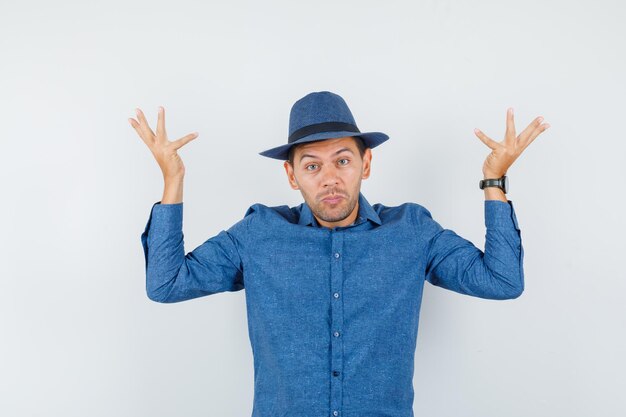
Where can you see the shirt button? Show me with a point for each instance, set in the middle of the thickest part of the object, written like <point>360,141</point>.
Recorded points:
<point>336,254</point>
<point>336,295</point>
<point>336,334</point>
<point>335,373</point>
<point>335,413</point>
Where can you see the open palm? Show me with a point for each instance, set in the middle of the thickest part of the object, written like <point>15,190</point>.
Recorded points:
<point>164,150</point>
<point>504,153</point>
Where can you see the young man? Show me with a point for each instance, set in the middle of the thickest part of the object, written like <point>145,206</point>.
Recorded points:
<point>333,285</point>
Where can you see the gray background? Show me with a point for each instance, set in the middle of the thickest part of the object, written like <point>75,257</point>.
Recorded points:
<point>79,337</point>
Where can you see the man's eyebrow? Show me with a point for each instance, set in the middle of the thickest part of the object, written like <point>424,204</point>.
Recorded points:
<point>336,153</point>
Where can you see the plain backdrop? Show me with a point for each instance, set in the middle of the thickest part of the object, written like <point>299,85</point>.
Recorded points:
<point>78,335</point>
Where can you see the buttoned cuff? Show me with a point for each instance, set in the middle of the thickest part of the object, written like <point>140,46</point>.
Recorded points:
<point>166,217</point>
<point>500,214</point>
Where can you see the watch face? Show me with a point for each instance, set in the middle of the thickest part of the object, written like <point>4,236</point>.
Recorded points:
<point>506,184</point>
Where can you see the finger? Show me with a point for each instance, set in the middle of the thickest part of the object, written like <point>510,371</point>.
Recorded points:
<point>523,137</point>
<point>135,125</point>
<point>509,135</point>
<point>143,123</point>
<point>485,139</point>
<point>184,140</point>
<point>534,134</point>
<point>160,131</point>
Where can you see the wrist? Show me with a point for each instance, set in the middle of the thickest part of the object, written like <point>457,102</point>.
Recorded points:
<point>494,186</point>
<point>492,176</point>
<point>173,179</point>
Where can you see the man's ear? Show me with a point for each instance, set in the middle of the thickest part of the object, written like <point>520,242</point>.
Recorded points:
<point>367,161</point>
<point>290,175</point>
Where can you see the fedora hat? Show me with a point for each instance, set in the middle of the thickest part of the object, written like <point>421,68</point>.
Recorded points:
<point>321,115</point>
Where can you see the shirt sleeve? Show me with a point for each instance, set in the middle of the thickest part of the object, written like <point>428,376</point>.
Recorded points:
<point>171,275</point>
<point>456,264</point>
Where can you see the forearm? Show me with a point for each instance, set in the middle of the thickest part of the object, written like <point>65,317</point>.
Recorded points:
<point>163,246</point>
<point>503,261</point>
<point>173,190</point>
<point>495,193</point>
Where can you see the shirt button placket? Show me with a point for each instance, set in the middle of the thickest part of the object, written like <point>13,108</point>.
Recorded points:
<point>336,360</point>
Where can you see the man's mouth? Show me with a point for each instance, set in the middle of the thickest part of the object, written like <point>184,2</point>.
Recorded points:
<point>333,199</point>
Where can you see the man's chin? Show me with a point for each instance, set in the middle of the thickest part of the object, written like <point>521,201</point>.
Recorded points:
<point>333,215</point>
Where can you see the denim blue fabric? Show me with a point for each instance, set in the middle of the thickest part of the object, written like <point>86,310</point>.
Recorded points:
<point>333,313</point>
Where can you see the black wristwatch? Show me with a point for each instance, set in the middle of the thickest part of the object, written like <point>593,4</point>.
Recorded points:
<point>501,183</point>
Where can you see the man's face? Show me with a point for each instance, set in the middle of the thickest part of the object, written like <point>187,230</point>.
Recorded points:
<point>331,167</point>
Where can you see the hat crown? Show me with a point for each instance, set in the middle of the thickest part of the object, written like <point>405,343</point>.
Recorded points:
<point>321,115</point>
<point>319,107</point>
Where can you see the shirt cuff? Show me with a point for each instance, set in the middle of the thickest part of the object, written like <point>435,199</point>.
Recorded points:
<point>500,214</point>
<point>166,217</point>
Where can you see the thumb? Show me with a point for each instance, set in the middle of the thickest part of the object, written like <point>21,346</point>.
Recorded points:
<point>179,143</point>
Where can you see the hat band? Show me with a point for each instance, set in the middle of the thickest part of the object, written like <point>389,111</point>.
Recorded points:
<point>322,127</point>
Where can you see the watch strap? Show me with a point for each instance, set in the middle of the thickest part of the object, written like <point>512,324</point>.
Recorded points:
<point>493,182</point>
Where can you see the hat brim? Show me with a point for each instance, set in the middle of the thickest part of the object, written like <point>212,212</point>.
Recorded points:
<point>371,140</point>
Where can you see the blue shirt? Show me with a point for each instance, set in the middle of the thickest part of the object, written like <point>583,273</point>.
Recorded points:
<point>333,313</point>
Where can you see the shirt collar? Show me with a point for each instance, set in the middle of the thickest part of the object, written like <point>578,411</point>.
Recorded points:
<point>366,211</point>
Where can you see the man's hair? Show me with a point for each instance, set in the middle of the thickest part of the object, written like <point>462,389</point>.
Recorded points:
<point>359,144</point>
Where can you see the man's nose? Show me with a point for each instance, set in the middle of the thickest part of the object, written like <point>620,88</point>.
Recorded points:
<point>330,175</point>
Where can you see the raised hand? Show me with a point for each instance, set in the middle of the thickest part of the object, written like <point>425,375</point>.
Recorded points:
<point>164,151</point>
<point>504,153</point>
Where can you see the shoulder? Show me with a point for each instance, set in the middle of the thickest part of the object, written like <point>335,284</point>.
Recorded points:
<point>259,213</point>
<point>411,211</point>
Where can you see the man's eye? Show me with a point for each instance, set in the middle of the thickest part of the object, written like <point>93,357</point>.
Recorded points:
<point>309,166</point>
<point>344,159</point>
